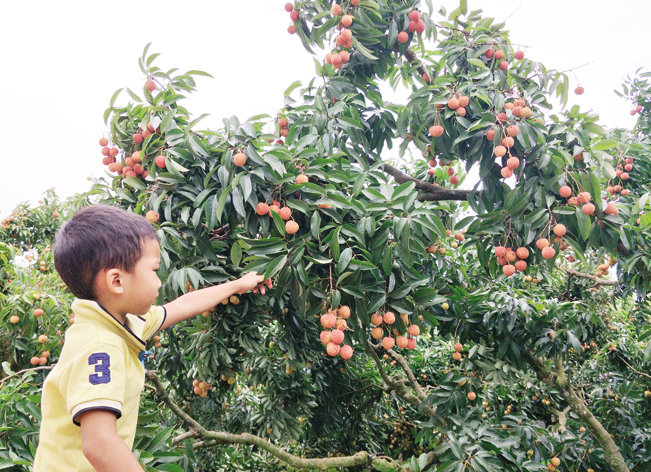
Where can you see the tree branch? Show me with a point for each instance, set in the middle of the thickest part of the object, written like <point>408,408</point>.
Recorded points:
<point>398,386</point>
<point>211,438</point>
<point>434,193</point>
<point>559,380</point>
<point>47,367</point>
<point>595,279</point>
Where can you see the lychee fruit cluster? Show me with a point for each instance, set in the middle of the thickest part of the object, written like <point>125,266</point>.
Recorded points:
<point>293,15</point>
<point>384,323</point>
<point>201,388</point>
<point>498,55</point>
<point>283,125</point>
<point>506,256</point>
<point>285,213</point>
<point>334,322</point>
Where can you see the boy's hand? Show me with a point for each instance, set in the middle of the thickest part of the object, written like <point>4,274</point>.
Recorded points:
<point>253,281</point>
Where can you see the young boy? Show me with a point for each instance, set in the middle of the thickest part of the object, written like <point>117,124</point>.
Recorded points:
<point>108,258</point>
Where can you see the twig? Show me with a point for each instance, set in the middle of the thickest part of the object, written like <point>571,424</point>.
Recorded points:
<point>596,280</point>
<point>632,368</point>
<point>46,367</point>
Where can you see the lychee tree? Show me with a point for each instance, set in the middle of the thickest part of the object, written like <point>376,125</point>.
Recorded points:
<point>317,199</point>
<point>392,286</point>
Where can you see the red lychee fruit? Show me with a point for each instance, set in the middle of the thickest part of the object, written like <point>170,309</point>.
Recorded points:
<point>588,209</point>
<point>346,352</point>
<point>377,319</point>
<point>389,317</point>
<point>548,252</point>
<point>150,85</point>
<point>262,209</point>
<point>152,216</point>
<point>542,243</point>
<point>328,320</point>
<point>508,270</point>
<point>522,252</point>
<point>160,161</point>
<point>138,138</point>
<point>499,151</point>
<point>560,230</point>
<point>332,349</point>
<point>565,191</point>
<point>377,333</point>
<point>453,104</point>
<point>436,130</point>
<point>403,37</point>
<point>302,178</point>
<point>285,213</point>
<point>519,55</point>
<point>337,336</point>
<point>512,162</point>
<point>388,342</point>
<point>239,159</point>
<point>326,336</point>
<point>291,227</point>
<point>344,312</point>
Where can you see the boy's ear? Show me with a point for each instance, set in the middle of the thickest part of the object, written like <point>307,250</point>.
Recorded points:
<point>112,281</point>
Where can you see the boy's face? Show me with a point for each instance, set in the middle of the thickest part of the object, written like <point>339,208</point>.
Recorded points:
<point>141,286</point>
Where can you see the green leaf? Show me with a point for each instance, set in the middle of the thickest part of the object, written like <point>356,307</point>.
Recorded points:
<point>584,225</point>
<point>279,222</point>
<point>236,254</point>
<point>275,266</point>
<point>362,50</point>
<point>167,123</point>
<point>160,439</point>
<point>135,182</point>
<point>199,72</point>
<point>134,96</point>
<point>344,259</point>
<point>604,144</point>
<point>291,88</point>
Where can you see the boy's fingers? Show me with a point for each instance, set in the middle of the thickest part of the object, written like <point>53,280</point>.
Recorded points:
<point>268,282</point>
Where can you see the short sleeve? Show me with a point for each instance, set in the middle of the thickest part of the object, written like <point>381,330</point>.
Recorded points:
<point>154,319</point>
<point>96,381</point>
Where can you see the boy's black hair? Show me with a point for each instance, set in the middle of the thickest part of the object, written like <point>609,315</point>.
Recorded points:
<point>99,237</point>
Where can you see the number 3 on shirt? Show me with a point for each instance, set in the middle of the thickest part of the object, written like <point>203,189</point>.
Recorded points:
<point>103,375</point>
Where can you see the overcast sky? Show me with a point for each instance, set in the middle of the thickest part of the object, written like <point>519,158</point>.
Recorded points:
<point>61,62</point>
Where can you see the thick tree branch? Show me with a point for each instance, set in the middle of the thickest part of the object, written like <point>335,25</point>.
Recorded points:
<point>562,418</point>
<point>211,438</point>
<point>595,279</point>
<point>410,374</point>
<point>411,57</point>
<point>434,193</point>
<point>559,380</point>
<point>396,385</point>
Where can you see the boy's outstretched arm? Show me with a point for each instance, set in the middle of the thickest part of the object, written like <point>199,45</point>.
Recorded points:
<point>193,303</point>
<point>102,446</point>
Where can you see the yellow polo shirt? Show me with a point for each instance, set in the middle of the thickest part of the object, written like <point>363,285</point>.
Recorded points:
<point>98,369</point>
